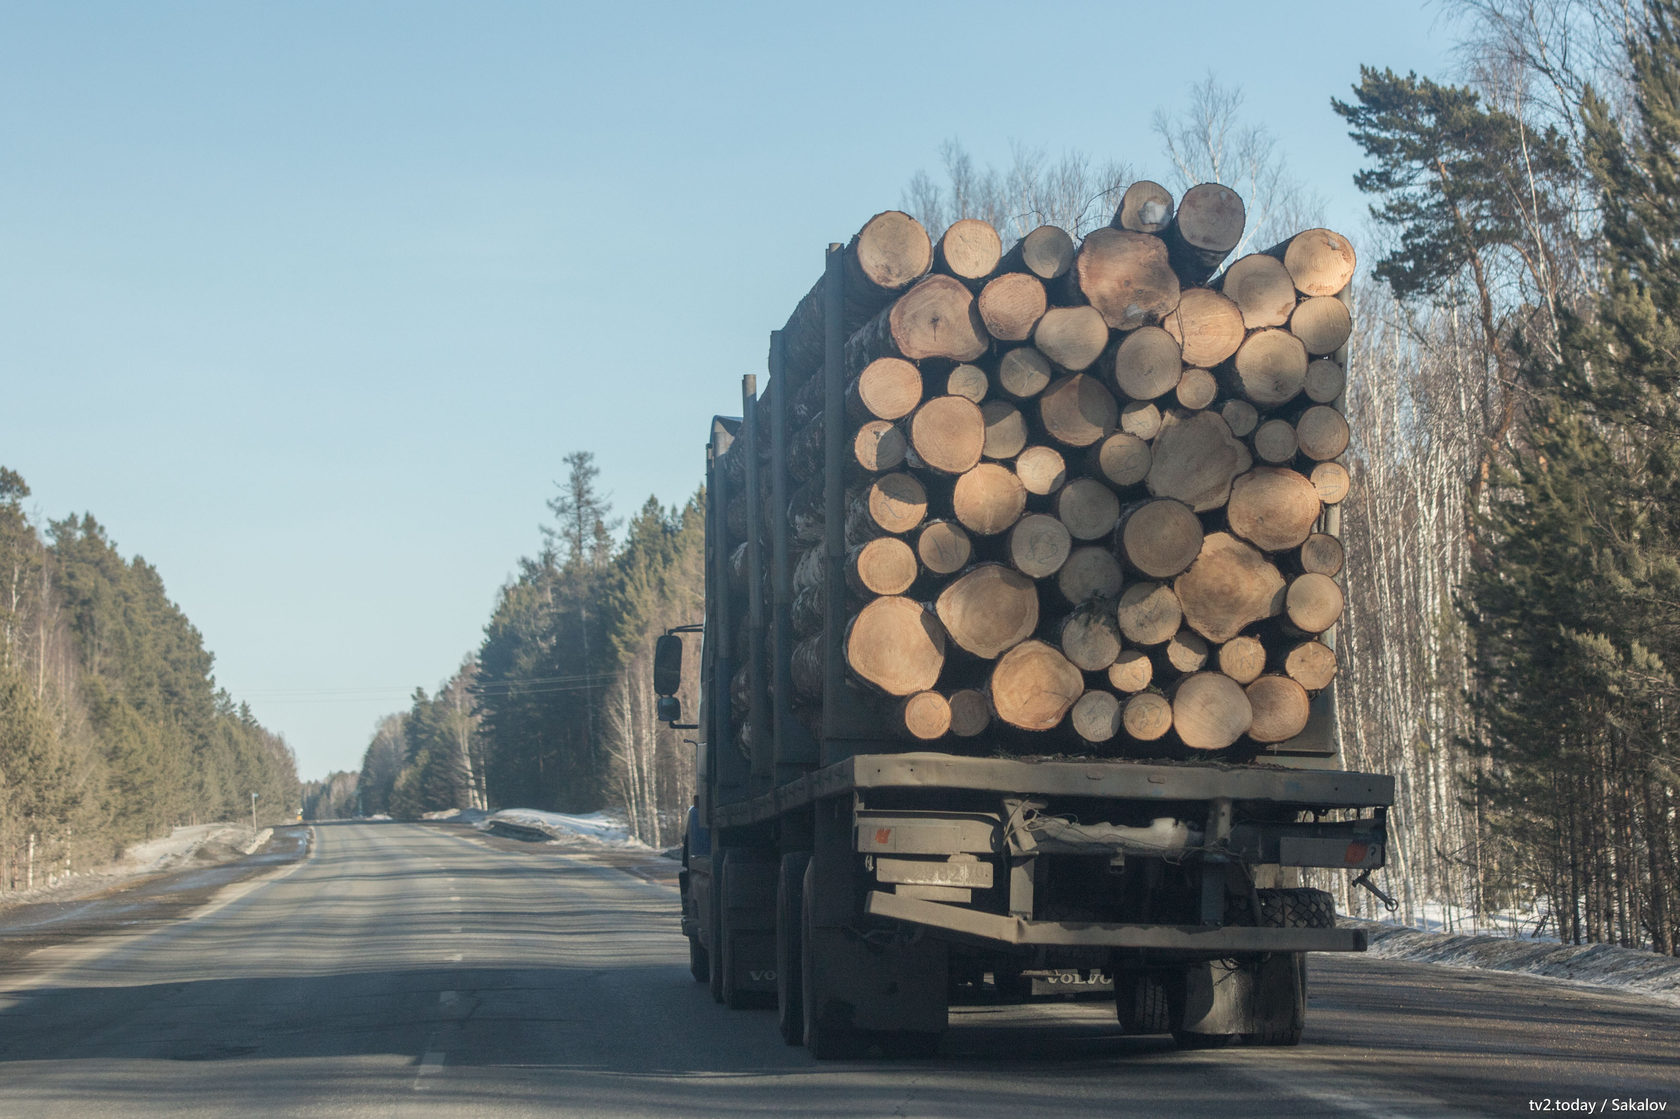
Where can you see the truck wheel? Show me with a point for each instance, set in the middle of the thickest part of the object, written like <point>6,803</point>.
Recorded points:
<point>699,963</point>
<point>790,970</point>
<point>829,1032</point>
<point>714,927</point>
<point>746,950</point>
<point>1281,978</point>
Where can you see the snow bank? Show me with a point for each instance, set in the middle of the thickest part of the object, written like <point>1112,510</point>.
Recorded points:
<point>601,829</point>
<point>1603,965</point>
<point>473,816</point>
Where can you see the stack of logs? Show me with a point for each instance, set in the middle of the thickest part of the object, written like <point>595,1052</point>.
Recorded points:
<point>1085,482</point>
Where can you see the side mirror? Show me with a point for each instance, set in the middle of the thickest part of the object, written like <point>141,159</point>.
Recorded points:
<point>668,708</point>
<point>667,666</point>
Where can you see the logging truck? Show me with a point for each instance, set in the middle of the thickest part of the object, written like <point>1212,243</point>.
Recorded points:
<point>1017,668</point>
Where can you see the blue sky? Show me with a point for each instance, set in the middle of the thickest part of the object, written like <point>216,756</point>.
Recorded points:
<point>306,301</point>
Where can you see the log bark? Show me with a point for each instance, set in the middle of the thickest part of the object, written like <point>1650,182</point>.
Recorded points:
<point>1311,664</point>
<point>1325,381</point>
<point>1148,614</point>
<point>988,499</point>
<point>1194,459</point>
<point>1331,481</point>
<point>1089,572</point>
<point>893,503</point>
<point>1240,416</point>
<point>1319,261</point>
<point>1161,537</point>
<point>1210,711</point>
<point>879,446</point>
<point>943,547</point>
<point>1071,337</point>
<point>1011,305</point>
<point>1023,372</point>
<point>1089,509</point>
<point>888,388</point>
<point>1322,433</point>
<point>1076,410</point>
<point>1147,716</point>
<point>1280,709</point>
<point>807,669</point>
<point>1033,685</point>
<point>967,381</point>
<point>937,318</point>
<point>1046,252</point>
<point>1207,326</point>
<point>924,716</point>
<point>884,566</point>
<point>1322,323</point>
<point>1270,368</point>
<point>1208,225</point>
<point>1274,441</point>
<point>1197,389</point>
<point>988,609</point>
<point>1039,545</point>
<point>1042,470</point>
<point>1148,363</point>
<point>1261,288</point>
<point>895,644</point>
<point>1122,458</point>
<point>1229,587</point>
<point>1096,716</point>
<point>1127,277</point>
<point>1146,207</point>
<point>1187,651</point>
<point>948,434</point>
<point>1090,637</point>
<point>970,713</point>
<point>1141,419</point>
<point>1131,671</point>
<point>1006,430</point>
<point>1243,658</point>
<point>1323,554</point>
<point>969,250</point>
<point>1313,603</point>
<point>1273,508</point>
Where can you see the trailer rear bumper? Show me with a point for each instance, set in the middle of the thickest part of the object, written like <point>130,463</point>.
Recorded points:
<point>1194,940</point>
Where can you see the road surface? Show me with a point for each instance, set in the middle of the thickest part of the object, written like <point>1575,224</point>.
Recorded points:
<point>421,970</point>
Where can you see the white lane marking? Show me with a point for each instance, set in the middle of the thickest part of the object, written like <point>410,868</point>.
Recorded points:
<point>448,998</point>
<point>1370,1100</point>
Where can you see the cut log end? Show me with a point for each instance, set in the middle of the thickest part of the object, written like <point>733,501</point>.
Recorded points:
<point>1161,537</point>
<point>1127,276</point>
<point>1039,545</point>
<point>925,716</point>
<point>1280,706</point>
<point>1147,717</point>
<point>896,645</point>
<point>1229,587</point>
<point>1096,716</point>
<point>944,548</point>
<point>989,609</point>
<point>1149,614</point>
<point>1033,685</point>
<point>1042,470</point>
<point>1146,207</point>
<point>1210,711</point>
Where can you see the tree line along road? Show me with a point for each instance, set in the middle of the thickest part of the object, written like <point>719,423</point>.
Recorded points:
<point>422,969</point>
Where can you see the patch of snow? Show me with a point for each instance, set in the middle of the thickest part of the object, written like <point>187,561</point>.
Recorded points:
<point>602,829</point>
<point>194,844</point>
<point>459,815</point>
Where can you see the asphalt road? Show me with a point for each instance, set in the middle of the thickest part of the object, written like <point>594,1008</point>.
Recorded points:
<point>418,970</point>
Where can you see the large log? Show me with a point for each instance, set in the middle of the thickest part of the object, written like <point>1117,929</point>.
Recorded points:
<point>807,669</point>
<point>1071,337</point>
<point>969,250</point>
<point>1311,664</point>
<point>1280,707</point>
<point>1039,545</point>
<point>1006,430</point>
<point>889,253</point>
<point>1046,252</point>
<point>1261,287</point>
<point>1023,372</point>
<point>1270,367</point>
<point>885,565</point>
<point>1229,587</point>
<point>1033,685</point>
<point>893,503</point>
<point>878,446</point>
<point>1042,469</point>
<point>1148,613</point>
<point>1194,459</point>
<point>1122,458</point>
<point>888,388</point>
<point>1322,433</point>
<point>1096,716</point>
<point>1089,509</point>
<point>1127,277</point>
<point>1208,326</point>
<point>1273,508</point>
<point>1147,716</point>
<point>1210,711</point>
<point>1076,410</point>
<point>937,318</point>
<point>988,609</point>
<point>1148,363</point>
<point>1160,537</point>
<point>1243,658</point>
<point>970,712</point>
<point>943,547</point>
<point>948,433</point>
<point>1322,324</point>
<point>1146,207</point>
<point>1208,225</point>
<point>924,716</point>
<point>1087,573</point>
<point>1313,602</point>
<point>1320,261</point>
<point>1090,637</point>
<point>1011,305</point>
<point>988,499</point>
<point>896,645</point>
<point>1131,671</point>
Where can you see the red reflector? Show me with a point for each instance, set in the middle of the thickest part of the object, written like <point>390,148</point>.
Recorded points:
<point>883,836</point>
<point>1356,853</point>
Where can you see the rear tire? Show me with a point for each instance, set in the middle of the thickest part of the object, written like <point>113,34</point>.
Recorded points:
<point>699,961</point>
<point>828,1035</point>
